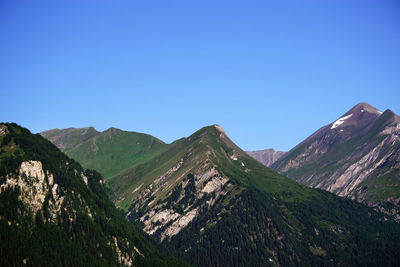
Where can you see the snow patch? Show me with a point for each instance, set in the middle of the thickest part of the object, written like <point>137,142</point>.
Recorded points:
<point>233,157</point>
<point>340,121</point>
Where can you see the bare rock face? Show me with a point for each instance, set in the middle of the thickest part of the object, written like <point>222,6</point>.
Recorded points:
<point>31,183</point>
<point>343,156</point>
<point>190,192</point>
<point>184,187</point>
<point>266,156</point>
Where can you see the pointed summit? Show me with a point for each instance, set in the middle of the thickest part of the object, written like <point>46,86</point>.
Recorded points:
<point>364,107</point>
<point>214,132</point>
<point>360,116</point>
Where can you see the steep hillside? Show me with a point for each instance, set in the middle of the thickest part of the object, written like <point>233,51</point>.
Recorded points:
<point>214,205</point>
<point>356,156</point>
<point>55,213</point>
<point>107,152</point>
<point>266,156</point>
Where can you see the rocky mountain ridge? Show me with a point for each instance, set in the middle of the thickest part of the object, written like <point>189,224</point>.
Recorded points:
<point>345,156</point>
<point>266,156</point>
<point>108,152</point>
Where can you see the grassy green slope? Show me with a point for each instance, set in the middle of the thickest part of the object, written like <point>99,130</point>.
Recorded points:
<point>199,144</point>
<point>108,152</point>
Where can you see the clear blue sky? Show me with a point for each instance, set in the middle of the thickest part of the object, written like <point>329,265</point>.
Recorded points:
<point>269,72</point>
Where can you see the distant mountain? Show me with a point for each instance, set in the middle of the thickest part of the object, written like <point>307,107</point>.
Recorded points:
<point>108,152</point>
<point>55,213</point>
<point>266,156</point>
<point>356,156</point>
<point>214,205</point>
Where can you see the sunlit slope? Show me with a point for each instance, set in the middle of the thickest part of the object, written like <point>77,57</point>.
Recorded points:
<point>107,152</point>
<point>212,204</point>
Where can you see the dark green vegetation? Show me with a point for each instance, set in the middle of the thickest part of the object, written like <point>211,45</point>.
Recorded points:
<point>359,159</point>
<point>257,230</point>
<point>60,214</point>
<point>107,152</point>
<point>212,204</point>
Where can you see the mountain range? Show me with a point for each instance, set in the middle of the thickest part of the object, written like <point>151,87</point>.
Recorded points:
<point>55,213</point>
<point>211,204</point>
<point>109,151</point>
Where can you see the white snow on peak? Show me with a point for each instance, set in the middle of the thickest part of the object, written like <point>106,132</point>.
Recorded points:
<point>362,110</point>
<point>340,121</point>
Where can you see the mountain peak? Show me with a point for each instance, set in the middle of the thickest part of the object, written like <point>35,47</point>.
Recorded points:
<point>214,130</point>
<point>364,107</point>
<point>361,115</point>
<point>220,129</point>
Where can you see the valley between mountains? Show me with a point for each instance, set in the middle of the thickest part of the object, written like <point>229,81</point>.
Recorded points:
<point>210,203</point>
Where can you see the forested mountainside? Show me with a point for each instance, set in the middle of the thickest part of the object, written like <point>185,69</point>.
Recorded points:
<point>55,213</point>
<point>212,204</point>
